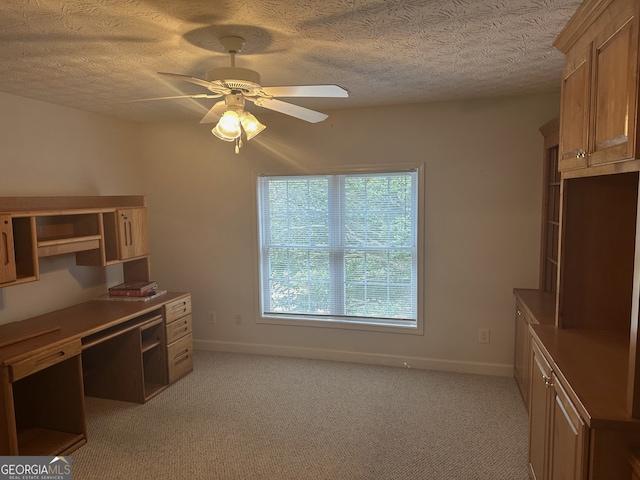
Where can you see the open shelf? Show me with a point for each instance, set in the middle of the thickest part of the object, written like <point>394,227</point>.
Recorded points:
<point>50,420</point>
<point>41,441</point>
<point>60,234</point>
<point>154,357</point>
<point>60,246</point>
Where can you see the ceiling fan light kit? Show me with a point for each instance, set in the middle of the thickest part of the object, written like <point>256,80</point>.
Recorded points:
<point>237,85</point>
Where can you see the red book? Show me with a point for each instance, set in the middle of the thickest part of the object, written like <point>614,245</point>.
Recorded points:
<point>133,289</point>
<point>132,293</point>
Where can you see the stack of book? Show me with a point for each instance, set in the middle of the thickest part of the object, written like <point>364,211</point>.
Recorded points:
<point>134,289</point>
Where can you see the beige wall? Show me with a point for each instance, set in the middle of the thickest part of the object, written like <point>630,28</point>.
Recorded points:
<point>51,150</point>
<point>483,177</point>
<point>483,187</point>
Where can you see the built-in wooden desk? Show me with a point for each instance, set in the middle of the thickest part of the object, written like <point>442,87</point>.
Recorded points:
<point>124,350</point>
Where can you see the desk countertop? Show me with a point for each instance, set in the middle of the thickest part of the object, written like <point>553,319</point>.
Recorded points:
<point>24,338</point>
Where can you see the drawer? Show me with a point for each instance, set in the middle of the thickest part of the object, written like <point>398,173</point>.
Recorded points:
<point>176,309</point>
<point>44,359</point>
<point>178,328</point>
<point>180,358</point>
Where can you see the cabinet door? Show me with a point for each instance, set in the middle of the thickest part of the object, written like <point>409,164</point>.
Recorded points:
<point>133,238</point>
<point>614,90</point>
<point>521,353</point>
<point>568,438</point>
<point>7,254</point>
<point>574,110</point>
<point>539,401</point>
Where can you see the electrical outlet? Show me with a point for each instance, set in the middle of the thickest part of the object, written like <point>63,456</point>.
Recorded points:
<point>484,335</point>
<point>238,319</point>
<point>212,318</point>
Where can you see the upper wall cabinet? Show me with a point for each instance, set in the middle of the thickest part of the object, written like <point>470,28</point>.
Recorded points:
<point>100,231</point>
<point>599,85</point>
<point>133,240</point>
<point>7,255</point>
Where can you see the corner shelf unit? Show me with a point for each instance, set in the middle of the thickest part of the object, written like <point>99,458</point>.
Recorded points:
<point>100,231</point>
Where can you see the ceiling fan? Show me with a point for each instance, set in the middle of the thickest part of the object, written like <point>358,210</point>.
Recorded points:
<point>237,85</point>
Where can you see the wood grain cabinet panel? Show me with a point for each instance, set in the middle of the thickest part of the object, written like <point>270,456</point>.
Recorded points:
<point>177,315</point>
<point>568,437</point>
<point>574,117</point>
<point>599,102</point>
<point>539,414</point>
<point>558,437</point>
<point>522,362</point>
<point>7,255</point>
<point>133,238</point>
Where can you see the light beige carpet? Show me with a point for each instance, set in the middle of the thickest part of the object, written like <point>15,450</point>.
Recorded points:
<point>257,417</point>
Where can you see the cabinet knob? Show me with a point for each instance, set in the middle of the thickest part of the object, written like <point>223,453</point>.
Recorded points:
<point>547,381</point>
<point>581,154</point>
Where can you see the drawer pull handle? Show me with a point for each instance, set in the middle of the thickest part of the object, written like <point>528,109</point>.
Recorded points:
<point>50,357</point>
<point>5,241</point>
<point>182,352</point>
<point>181,360</point>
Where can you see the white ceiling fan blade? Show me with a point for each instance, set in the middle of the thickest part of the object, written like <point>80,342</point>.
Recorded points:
<point>197,95</point>
<point>203,83</point>
<point>214,113</point>
<point>330,91</point>
<point>290,109</point>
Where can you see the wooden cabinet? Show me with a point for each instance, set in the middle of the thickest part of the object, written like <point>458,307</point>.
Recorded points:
<point>599,105</point>
<point>179,338</point>
<point>521,363</point>
<point>574,108</point>
<point>585,366</point>
<point>18,252</point>
<point>46,419</point>
<point>7,255</point>
<point>568,436</point>
<point>100,231</point>
<point>133,240</point>
<point>557,435</point>
<point>532,308</point>
<point>540,400</point>
<point>106,349</point>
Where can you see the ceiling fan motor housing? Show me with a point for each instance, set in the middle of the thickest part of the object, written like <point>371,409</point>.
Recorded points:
<point>235,78</point>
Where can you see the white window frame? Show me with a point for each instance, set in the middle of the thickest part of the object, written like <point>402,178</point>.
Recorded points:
<point>416,328</point>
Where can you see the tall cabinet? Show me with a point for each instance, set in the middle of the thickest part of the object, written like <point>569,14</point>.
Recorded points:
<point>584,365</point>
<point>124,349</point>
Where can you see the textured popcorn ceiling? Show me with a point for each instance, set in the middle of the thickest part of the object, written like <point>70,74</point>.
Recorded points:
<point>89,54</point>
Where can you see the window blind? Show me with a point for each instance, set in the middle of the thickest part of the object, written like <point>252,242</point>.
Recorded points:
<point>339,247</point>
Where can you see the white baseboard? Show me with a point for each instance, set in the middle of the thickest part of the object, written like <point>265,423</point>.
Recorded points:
<point>496,369</point>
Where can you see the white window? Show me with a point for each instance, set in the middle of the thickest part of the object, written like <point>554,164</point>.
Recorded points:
<point>340,250</point>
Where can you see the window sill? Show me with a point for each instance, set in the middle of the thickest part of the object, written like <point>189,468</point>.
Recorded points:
<point>341,324</point>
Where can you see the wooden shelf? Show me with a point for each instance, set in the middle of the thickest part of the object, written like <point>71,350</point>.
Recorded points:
<point>45,442</point>
<point>100,231</point>
<point>47,248</point>
<point>152,389</point>
<point>150,344</point>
